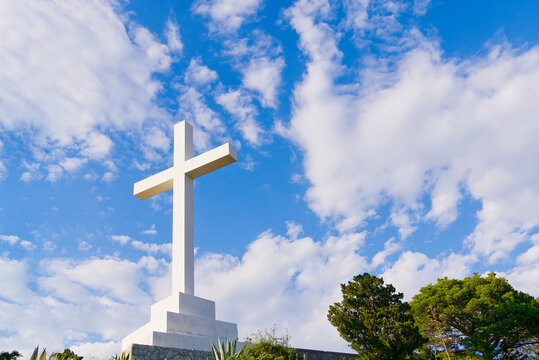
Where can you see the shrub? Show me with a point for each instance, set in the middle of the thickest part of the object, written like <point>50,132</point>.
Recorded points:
<point>267,346</point>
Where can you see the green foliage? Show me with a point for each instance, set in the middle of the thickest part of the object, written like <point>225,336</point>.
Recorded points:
<point>227,351</point>
<point>35,356</point>
<point>5,355</point>
<point>373,318</point>
<point>267,345</point>
<point>268,336</point>
<point>478,317</point>
<point>66,355</point>
<point>122,356</point>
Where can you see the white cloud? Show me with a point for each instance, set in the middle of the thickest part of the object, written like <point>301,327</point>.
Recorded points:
<point>432,128</point>
<point>526,272</point>
<point>75,76</point>
<point>157,139</point>
<point>141,167</point>
<point>199,74</point>
<point>152,248</point>
<point>16,240</point>
<point>32,172</point>
<point>293,280</point>
<point>421,6</point>
<point>109,177</point>
<point>207,123</point>
<point>158,54</point>
<point>74,303</point>
<point>264,76</point>
<point>414,270</point>
<point>172,33</point>
<point>84,246</point>
<point>73,164</point>
<point>3,170</point>
<point>122,239</point>
<point>10,239</point>
<point>524,278</point>
<point>14,277</point>
<point>97,350</point>
<point>391,246</point>
<point>237,103</point>
<point>54,172</point>
<point>97,146</point>
<point>227,15</point>
<point>356,15</point>
<point>49,246</point>
<point>150,231</point>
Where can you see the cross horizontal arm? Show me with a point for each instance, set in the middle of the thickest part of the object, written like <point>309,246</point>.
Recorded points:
<point>210,161</point>
<point>155,184</point>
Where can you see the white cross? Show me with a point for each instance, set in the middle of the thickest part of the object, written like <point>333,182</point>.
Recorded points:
<point>180,178</point>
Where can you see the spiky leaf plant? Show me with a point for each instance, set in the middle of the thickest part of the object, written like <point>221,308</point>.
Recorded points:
<point>225,352</point>
<point>43,355</point>
<point>122,356</point>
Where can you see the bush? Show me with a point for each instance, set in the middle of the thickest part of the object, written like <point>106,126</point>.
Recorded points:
<point>267,346</point>
<point>5,355</point>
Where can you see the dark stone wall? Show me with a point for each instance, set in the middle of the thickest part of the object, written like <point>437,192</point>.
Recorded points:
<point>149,352</point>
<point>308,354</point>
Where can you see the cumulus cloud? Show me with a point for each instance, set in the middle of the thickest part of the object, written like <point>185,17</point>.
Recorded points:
<point>150,231</point>
<point>239,105</point>
<point>98,301</point>
<point>199,74</point>
<point>264,76</point>
<point>207,123</point>
<point>227,15</point>
<point>71,164</point>
<point>16,240</point>
<point>83,301</point>
<point>150,248</point>
<point>172,33</point>
<point>122,239</point>
<point>75,76</point>
<point>414,270</point>
<point>293,279</point>
<point>434,127</point>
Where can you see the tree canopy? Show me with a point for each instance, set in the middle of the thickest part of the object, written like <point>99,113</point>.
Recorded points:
<point>482,317</point>
<point>373,318</point>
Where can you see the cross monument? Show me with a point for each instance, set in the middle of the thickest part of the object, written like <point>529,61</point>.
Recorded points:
<point>183,320</point>
<point>180,178</point>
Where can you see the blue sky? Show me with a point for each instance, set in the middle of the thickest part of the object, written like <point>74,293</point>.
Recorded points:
<point>390,137</point>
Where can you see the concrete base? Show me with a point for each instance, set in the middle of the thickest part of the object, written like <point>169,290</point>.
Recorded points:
<point>182,321</point>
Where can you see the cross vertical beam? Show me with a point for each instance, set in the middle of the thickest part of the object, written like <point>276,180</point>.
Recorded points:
<point>183,277</point>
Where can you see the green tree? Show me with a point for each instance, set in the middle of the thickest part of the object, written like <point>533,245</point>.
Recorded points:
<point>5,355</point>
<point>66,355</point>
<point>481,317</point>
<point>373,318</point>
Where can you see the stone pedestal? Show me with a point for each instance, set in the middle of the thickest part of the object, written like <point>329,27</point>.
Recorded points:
<point>182,321</point>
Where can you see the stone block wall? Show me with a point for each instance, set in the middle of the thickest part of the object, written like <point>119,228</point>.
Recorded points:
<point>152,352</point>
<point>308,354</point>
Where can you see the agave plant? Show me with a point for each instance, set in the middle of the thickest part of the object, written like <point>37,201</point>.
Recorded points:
<point>227,351</point>
<point>43,355</point>
<point>122,356</point>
